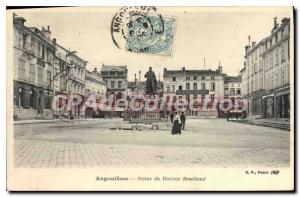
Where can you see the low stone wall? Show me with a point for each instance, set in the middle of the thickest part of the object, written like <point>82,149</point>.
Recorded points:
<point>21,113</point>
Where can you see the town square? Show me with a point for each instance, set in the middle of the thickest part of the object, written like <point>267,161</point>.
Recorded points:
<point>112,143</point>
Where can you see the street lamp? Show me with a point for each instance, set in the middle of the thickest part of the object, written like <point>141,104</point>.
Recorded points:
<point>51,80</point>
<point>71,53</point>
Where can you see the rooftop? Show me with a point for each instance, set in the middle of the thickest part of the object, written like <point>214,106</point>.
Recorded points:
<point>132,84</point>
<point>233,79</point>
<point>113,67</point>
<point>191,72</point>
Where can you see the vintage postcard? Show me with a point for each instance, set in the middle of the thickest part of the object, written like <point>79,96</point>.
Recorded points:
<point>146,98</point>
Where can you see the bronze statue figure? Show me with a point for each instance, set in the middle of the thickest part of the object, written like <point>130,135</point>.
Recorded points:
<point>151,82</point>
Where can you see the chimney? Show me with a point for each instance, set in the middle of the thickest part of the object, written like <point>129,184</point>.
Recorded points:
<point>46,32</point>
<point>275,23</point>
<point>139,76</point>
<point>219,70</point>
<point>20,20</point>
<point>183,69</point>
<point>249,40</point>
<point>246,49</point>
<point>54,42</point>
<point>135,79</point>
<point>284,19</point>
<point>253,44</point>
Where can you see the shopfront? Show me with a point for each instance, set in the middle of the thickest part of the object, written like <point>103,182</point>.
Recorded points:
<point>282,100</point>
<point>268,106</point>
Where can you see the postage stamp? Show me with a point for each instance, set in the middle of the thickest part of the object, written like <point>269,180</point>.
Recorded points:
<point>143,36</point>
<point>142,30</point>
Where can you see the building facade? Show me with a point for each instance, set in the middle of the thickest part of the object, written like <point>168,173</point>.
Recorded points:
<point>117,86</point>
<point>254,77</point>
<point>265,76</point>
<point>43,69</point>
<point>61,66</point>
<point>116,78</point>
<point>76,83</point>
<point>207,84</point>
<point>94,84</point>
<point>232,87</point>
<point>276,100</point>
<point>33,69</point>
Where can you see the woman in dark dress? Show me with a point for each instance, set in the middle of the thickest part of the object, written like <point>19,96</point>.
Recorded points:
<point>176,125</point>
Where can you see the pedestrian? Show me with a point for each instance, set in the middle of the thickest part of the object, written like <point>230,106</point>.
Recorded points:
<point>182,119</point>
<point>176,125</point>
<point>228,115</point>
<point>172,117</point>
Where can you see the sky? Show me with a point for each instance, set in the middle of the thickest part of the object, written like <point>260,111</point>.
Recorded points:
<point>214,33</point>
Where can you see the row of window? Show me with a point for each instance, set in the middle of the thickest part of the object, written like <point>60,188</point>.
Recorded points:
<point>39,49</point>
<point>113,85</point>
<point>195,96</point>
<point>194,78</point>
<point>271,60</point>
<point>78,72</point>
<point>78,88</point>
<point>187,85</point>
<point>254,86</point>
<point>32,73</point>
<point>276,79</point>
<point>273,40</point>
<point>113,73</point>
<point>232,92</point>
<point>273,80</point>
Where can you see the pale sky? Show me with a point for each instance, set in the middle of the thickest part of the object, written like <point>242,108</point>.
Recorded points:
<point>212,32</point>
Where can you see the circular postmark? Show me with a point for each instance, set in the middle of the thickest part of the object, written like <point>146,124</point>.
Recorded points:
<point>136,28</point>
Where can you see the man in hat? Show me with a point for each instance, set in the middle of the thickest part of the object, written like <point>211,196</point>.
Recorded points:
<point>182,119</point>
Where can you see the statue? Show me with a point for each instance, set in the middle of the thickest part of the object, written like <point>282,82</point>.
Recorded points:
<point>151,82</point>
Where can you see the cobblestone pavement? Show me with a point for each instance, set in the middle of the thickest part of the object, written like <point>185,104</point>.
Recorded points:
<point>204,143</point>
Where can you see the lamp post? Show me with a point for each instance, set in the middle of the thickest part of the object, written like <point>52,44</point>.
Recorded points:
<point>67,69</point>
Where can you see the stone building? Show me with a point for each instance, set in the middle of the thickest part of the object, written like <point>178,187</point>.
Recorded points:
<point>207,84</point>
<point>33,53</point>
<point>232,87</point>
<point>254,76</point>
<point>116,84</point>
<point>76,82</point>
<point>61,66</point>
<point>233,91</point>
<point>276,100</point>
<point>265,76</point>
<point>115,77</point>
<point>94,84</point>
<point>42,69</point>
